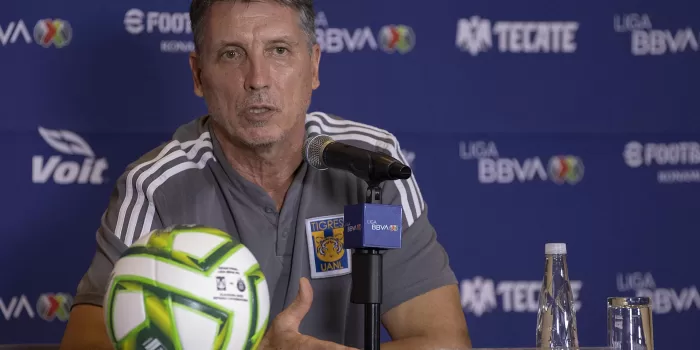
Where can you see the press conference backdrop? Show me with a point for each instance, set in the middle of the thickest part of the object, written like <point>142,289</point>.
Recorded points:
<point>525,123</point>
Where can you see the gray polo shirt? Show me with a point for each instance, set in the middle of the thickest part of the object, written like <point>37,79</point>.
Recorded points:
<point>188,181</point>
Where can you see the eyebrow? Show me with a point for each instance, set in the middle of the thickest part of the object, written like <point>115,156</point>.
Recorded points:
<point>285,39</point>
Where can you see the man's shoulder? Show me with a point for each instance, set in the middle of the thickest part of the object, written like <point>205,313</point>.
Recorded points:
<point>190,147</point>
<point>352,132</point>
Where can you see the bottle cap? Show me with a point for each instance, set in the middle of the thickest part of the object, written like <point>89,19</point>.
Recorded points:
<point>555,248</point>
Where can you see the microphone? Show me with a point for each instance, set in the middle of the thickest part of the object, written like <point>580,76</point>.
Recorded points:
<point>368,227</point>
<point>322,152</point>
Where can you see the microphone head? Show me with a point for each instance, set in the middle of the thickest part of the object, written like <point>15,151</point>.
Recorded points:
<point>400,171</point>
<point>313,150</point>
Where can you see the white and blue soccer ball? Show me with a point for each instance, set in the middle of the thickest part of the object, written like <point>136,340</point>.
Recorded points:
<point>189,288</point>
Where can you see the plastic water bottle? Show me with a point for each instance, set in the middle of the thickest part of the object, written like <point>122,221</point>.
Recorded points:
<point>556,320</point>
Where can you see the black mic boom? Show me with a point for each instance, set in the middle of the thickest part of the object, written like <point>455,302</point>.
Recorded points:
<point>322,152</point>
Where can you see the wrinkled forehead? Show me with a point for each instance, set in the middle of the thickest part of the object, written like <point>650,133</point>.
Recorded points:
<point>248,22</point>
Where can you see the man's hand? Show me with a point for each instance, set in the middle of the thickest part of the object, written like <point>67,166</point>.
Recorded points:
<point>283,332</point>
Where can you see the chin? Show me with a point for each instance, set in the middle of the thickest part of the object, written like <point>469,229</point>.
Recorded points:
<point>261,137</point>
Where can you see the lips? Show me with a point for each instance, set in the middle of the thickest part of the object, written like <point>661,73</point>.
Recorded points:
<point>258,113</point>
<point>258,110</point>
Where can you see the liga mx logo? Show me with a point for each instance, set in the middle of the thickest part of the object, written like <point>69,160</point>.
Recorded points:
<point>565,169</point>
<point>53,31</point>
<point>52,306</point>
<point>397,38</point>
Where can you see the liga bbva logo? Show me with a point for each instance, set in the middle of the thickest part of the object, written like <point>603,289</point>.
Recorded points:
<point>494,168</point>
<point>390,38</point>
<point>476,35</point>
<point>77,163</point>
<point>647,39</point>
<point>47,32</point>
<point>49,307</point>
<point>664,300</point>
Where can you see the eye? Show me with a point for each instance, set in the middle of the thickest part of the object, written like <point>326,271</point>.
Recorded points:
<point>229,54</point>
<point>281,50</point>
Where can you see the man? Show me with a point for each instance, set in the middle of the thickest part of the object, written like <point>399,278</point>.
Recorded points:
<point>240,169</point>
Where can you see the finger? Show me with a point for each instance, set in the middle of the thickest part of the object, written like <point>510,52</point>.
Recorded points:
<point>291,317</point>
<point>311,343</point>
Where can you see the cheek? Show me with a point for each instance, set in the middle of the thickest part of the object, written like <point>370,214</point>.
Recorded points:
<point>220,88</point>
<point>295,85</point>
<point>220,80</point>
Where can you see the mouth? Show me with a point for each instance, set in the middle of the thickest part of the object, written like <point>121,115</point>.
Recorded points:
<point>259,113</point>
<point>259,109</point>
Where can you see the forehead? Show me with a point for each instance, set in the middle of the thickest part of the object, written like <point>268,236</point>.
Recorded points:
<point>248,21</point>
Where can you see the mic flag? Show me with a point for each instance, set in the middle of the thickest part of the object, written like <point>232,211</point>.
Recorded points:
<point>372,226</point>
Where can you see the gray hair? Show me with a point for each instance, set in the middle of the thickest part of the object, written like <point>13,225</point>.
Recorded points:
<point>199,9</point>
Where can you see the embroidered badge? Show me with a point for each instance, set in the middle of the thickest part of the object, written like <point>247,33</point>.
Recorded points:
<point>326,241</point>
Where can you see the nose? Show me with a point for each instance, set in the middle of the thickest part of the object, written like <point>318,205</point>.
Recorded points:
<point>258,76</point>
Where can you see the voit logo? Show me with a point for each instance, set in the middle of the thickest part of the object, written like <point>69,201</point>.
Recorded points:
<point>673,154</point>
<point>482,295</point>
<point>663,300</point>
<point>393,38</point>
<point>46,32</point>
<point>492,168</point>
<point>647,40</point>
<point>138,22</point>
<point>476,35</point>
<point>79,167</point>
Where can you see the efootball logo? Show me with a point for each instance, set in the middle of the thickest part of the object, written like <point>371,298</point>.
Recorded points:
<point>73,169</point>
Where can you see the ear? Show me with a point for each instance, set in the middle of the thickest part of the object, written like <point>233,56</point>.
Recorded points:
<point>196,74</point>
<point>315,61</point>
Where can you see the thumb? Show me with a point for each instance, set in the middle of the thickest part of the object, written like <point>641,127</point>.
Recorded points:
<point>295,312</point>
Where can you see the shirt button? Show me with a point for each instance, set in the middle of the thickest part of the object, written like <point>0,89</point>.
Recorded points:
<point>269,210</point>
<point>284,233</point>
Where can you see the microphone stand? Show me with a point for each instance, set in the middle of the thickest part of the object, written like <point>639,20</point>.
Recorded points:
<point>367,279</point>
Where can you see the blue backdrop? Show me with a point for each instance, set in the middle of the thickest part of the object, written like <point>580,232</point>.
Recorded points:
<point>525,123</point>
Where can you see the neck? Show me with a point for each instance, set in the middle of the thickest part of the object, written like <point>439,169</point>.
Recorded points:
<point>271,167</point>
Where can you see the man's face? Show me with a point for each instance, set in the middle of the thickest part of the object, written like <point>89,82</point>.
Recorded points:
<point>255,71</point>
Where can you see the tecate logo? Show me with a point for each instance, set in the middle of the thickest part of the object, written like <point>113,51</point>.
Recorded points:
<point>476,35</point>
<point>136,21</point>
<point>65,172</point>
<point>481,295</point>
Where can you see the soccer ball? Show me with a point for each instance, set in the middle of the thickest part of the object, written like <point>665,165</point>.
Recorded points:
<point>189,288</point>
